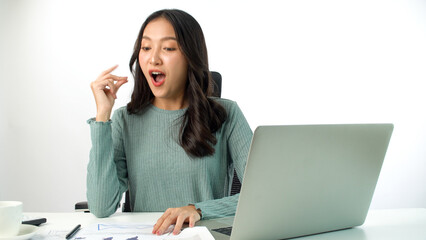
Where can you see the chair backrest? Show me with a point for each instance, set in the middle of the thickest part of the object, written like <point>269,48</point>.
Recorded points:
<point>217,84</point>
<point>217,92</point>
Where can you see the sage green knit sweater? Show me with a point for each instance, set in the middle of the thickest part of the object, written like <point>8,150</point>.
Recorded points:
<point>141,152</point>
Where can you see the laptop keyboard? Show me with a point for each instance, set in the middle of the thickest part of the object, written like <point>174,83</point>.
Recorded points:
<point>225,230</point>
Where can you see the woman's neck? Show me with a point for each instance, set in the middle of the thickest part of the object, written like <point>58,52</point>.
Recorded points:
<point>168,104</point>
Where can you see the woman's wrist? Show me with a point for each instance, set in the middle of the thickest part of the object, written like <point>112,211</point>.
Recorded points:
<point>103,116</point>
<point>197,210</point>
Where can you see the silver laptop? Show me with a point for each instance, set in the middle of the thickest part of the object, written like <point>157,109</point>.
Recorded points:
<point>307,179</point>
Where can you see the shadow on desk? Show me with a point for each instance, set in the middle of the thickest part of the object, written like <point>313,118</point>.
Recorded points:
<point>346,234</point>
<point>356,233</point>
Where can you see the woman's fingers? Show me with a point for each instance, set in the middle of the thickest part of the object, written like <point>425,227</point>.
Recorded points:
<point>114,83</point>
<point>192,221</point>
<point>179,222</point>
<point>113,77</point>
<point>176,216</point>
<point>109,84</point>
<point>105,89</point>
<point>112,88</point>
<point>120,82</point>
<point>165,224</point>
<point>160,221</point>
<point>109,70</point>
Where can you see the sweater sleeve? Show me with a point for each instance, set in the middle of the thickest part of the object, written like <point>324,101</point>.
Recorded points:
<point>238,136</point>
<point>107,170</point>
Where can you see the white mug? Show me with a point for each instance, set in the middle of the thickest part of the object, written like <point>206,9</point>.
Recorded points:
<point>10,218</point>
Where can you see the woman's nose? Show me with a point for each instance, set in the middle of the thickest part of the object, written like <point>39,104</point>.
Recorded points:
<point>155,58</point>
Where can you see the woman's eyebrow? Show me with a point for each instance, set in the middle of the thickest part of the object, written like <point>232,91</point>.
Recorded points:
<point>161,39</point>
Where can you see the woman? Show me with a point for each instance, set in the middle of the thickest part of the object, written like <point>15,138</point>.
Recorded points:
<point>173,146</point>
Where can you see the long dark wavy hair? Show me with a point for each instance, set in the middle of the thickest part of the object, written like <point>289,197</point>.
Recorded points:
<point>204,116</point>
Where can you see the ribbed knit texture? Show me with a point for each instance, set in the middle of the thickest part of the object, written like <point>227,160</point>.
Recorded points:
<point>141,152</point>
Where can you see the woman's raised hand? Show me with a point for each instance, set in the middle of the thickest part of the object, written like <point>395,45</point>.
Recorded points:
<point>104,90</point>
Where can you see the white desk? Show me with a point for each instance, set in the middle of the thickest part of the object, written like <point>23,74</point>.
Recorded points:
<point>380,224</point>
<point>391,224</point>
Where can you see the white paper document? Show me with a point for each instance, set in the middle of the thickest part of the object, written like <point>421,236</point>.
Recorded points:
<point>131,231</point>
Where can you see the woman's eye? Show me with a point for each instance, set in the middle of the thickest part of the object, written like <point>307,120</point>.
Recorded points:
<point>145,48</point>
<point>169,49</point>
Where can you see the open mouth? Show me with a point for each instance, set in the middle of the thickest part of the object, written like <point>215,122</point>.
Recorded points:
<point>157,77</point>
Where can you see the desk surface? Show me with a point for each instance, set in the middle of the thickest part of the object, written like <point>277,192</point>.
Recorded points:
<point>380,224</point>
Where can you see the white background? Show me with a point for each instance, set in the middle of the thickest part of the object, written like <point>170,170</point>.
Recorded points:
<point>284,62</point>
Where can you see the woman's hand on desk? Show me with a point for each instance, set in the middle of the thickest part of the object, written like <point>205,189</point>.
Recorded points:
<point>104,90</point>
<point>178,216</point>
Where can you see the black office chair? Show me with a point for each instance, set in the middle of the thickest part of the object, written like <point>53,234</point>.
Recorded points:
<point>217,92</point>
<point>236,184</point>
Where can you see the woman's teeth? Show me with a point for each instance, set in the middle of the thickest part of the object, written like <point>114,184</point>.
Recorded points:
<point>157,76</point>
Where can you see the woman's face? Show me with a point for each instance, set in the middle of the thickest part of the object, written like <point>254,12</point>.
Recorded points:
<point>163,64</point>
